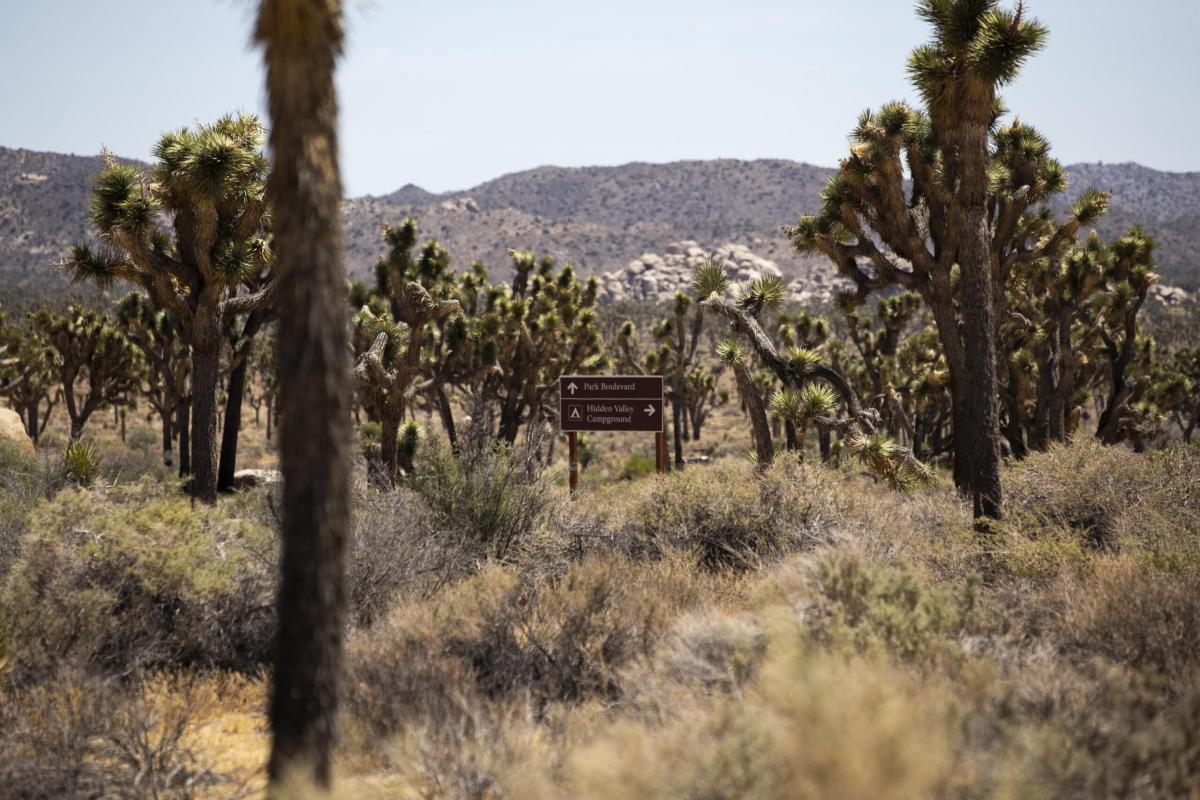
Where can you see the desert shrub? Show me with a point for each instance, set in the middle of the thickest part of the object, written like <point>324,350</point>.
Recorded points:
<point>729,517</point>
<point>486,490</point>
<point>1134,614</point>
<point>1112,498</point>
<point>711,650</point>
<point>398,552</point>
<point>869,605</point>
<point>83,738</point>
<point>496,636</point>
<point>126,464</point>
<point>20,485</point>
<point>1125,737</point>
<point>135,576</point>
<point>145,440</point>
<point>811,726</point>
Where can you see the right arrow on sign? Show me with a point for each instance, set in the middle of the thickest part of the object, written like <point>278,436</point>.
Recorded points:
<point>650,410</point>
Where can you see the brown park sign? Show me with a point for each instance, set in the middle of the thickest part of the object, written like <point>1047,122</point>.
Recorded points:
<point>610,403</point>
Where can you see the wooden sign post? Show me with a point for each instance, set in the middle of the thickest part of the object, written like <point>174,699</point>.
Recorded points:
<point>597,403</point>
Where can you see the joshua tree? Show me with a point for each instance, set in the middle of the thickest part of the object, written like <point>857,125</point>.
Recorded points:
<point>90,355</point>
<point>1130,275</point>
<point>1177,389</point>
<point>802,330</point>
<point>801,368</point>
<point>155,333</point>
<point>27,377</point>
<point>301,40</point>
<point>956,237</point>
<point>395,346</point>
<point>528,333</point>
<point>691,388</point>
<point>502,345</point>
<point>210,183</point>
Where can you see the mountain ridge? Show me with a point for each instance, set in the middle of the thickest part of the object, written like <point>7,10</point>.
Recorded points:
<point>598,217</point>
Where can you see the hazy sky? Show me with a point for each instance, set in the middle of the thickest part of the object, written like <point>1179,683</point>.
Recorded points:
<point>448,93</point>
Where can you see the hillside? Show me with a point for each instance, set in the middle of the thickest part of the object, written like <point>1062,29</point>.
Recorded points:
<point>599,218</point>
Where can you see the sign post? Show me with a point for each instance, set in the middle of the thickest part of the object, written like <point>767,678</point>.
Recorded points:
<point>598,403</point>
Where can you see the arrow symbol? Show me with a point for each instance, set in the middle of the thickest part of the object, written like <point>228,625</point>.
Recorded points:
<point>571,387</point>
<point>650,410</point>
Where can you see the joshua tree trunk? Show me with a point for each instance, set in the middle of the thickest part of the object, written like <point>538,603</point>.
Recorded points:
<point>31,420</point>
<point>183,414</point>
<point>232,428</point>
<point>447,415</point>
<point>167,439</point>
<point>389,436</point>
<point>677,430</point>
<point>789,432</point>
<point>235,393</point>
<point>977,425</point>
<point>206,363</point>
<point>302,40</point>
<point>764,450</point>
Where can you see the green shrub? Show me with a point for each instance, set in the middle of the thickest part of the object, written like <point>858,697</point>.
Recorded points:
<point>135,576</point>
<point>638,465</point>
<point>869,605</point>
<point>370,437</point>
<point>487,491</point>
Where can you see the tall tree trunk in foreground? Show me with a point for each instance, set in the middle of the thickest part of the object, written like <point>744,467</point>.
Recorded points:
<point>977,430</point>
<point>301,41</point>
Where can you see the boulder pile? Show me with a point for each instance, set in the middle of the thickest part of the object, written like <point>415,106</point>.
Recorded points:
<point>656,278</point>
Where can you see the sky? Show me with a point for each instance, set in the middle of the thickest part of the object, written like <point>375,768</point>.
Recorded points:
<point>449,93</point>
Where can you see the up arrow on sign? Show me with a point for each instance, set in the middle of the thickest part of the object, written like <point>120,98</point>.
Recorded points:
<point>571,387</point>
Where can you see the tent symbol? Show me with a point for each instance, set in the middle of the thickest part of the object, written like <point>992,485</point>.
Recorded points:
<point>574,412</point>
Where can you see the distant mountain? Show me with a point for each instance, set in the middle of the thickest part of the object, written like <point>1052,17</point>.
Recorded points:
<point>599,218</point>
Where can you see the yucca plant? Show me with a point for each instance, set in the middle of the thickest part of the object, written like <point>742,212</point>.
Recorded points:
<point>81,462</point>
